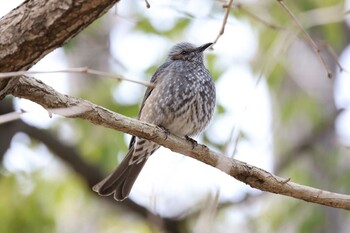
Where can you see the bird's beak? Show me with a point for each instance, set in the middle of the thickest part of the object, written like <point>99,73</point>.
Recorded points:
<point>204,47</point>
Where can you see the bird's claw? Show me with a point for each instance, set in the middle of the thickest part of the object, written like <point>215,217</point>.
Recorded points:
<point>192,141</point>
<point>166,132</point>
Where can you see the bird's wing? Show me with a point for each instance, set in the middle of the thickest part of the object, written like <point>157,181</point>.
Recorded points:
<point>154,80</point>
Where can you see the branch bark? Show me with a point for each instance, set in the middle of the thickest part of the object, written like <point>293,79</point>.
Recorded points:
<point>37,91</point>
<point>37,27</point>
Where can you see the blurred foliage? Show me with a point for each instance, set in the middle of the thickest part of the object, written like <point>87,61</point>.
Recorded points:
<point>66,204</point>
<point>145,26</point>
<point>211,63</point>
<point>22,213</point>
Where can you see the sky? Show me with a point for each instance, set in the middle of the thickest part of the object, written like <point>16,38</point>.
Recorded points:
<point>169,178</point>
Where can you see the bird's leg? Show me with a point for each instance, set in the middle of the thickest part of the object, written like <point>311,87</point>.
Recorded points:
<point>166,131</point>
<point>192,141</point>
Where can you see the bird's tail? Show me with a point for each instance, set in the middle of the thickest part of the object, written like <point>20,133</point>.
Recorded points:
<point>122,179</point>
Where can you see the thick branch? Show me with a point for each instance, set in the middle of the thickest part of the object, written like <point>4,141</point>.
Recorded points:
<point>32,89</point>
<point>37,27</point>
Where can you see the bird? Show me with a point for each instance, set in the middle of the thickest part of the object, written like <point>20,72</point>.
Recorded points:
<point>181,101</point>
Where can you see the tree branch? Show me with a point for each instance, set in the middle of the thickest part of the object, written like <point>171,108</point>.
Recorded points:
<point>308,38</point>
<point>222,29</point>
<point>81,70</point>
<point>37,27</point>
<point>37,91</point>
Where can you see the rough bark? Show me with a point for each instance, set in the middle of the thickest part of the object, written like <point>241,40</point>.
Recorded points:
<point>37,27</point>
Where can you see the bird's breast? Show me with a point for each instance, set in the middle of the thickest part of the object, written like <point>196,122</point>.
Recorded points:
<point>182,102</point>
<point>189,112</point>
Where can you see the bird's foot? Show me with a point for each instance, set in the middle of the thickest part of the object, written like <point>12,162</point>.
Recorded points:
<point>192,141</point>
<point>166,132</point>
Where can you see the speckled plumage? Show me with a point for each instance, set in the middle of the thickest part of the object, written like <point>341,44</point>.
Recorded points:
<point>182,101</point>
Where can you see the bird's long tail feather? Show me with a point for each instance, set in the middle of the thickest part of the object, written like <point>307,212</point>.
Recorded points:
<point>121,180</point>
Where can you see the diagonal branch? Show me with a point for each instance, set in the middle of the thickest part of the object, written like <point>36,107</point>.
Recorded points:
<point>224,22</point>
<point>37,91</point>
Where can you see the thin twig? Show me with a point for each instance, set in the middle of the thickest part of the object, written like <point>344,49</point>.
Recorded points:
<point>66,112</point>
<point>236,132</point>
<point>334,12</point>
<point>147,4</point>
<point>12,116</point>
<point>257,18</point>
<point>206,216</point>
<point>76,70</point>
<point>334,55</point>
<point>222,30</point>
<point>323,15</point>
<point>308,37</point>
<point>232,138</point>
<point>238,137</point>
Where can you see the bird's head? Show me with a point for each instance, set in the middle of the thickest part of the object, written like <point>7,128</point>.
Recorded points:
<point>187,52</point>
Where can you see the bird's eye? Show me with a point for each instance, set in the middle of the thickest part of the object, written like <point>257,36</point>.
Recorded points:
<point>184,52</point>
